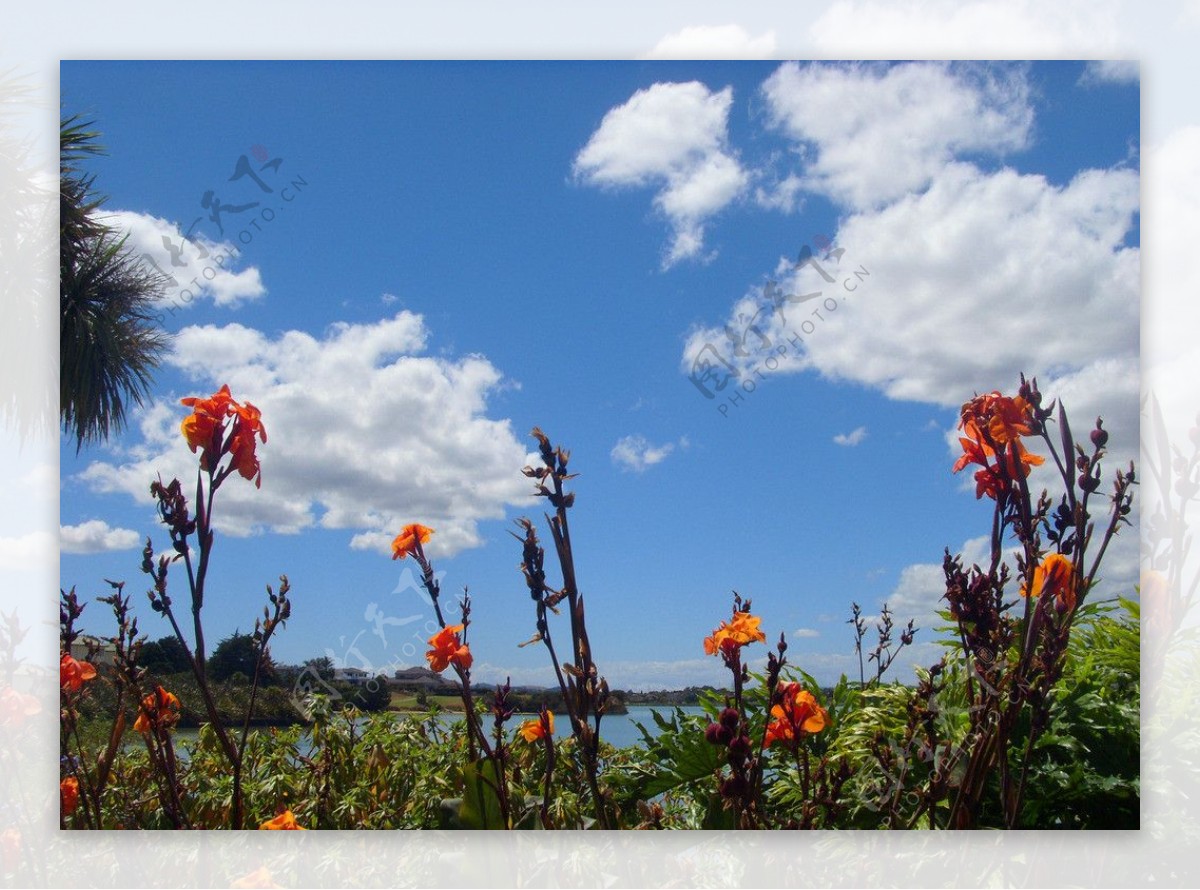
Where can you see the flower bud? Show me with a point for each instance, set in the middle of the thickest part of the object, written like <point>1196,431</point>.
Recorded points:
<point>733,787</point>
<point>739,747</point>
<point>1099,435</point>
<point>730,719</point>
<point>1088,483</point>
<point>716,734</point>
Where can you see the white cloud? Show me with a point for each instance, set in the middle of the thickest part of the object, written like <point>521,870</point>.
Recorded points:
<point>806,633</point>
<point>364,434</point>
<point>672,136</point>
<point>938,317</point>
<point>27,551</point>
<point>992,28</point>
<point>96,536</point>
<point>783,195</point>
<point>919,594</point>
<point>636,453</point>
<point>851,439</point>
<point>1107,388</point>
<point>1173,213</point>
<point>845,118</point>
<point>200,268</point>
<point>1111,71</point>
<point>714,42</point>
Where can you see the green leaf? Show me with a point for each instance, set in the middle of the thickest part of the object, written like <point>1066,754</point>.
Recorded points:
<point>479,807</point>
<point>716,817</point>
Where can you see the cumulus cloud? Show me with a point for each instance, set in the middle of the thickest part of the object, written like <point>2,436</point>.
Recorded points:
<point>1111,71</point>
<point>918,595</point>
<point>714,42</point>
<point>851,439</point>
<point>96,536</point>
<point>845,118</point>
<point>941,28</point>
<point>365,434</point>
<point>197,268</point>
<point>25,552</point>
<point>636,453</point>
<point>672,137</point>
<point>937,317</point>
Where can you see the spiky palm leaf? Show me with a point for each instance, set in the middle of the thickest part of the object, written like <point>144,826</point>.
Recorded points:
<point>108,340</point>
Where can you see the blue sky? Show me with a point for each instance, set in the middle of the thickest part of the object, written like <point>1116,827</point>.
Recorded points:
<point>473,249</point>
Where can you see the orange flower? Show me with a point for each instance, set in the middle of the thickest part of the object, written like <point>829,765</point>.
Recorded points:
<point>410,536</point>
<point>159,709</point>
<point>10,849</point>
<point>448,649</point>
<point>205,429</point>
<point>248,423</point>
<point>537,728</point>
<point>285,821</point>
<point>68,794</point>
<point>796,714</point>
<point>260,877</point>
<point>206,424</point>
<point>1056,576</point>
<point>1003,417</point>
<point>72,673</point>
<point>994,424</point>
<point>16,706</point>
<point>742,630</point>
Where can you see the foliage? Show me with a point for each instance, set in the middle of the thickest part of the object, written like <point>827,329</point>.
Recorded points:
<point>1030,720</point>
<point>238,654</point>
<point>165,656</point>
<point>109,344</point>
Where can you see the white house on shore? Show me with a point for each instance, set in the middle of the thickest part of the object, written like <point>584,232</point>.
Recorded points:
<point>351,675</point>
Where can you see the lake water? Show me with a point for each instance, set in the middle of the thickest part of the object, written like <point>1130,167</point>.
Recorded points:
<point>616,729</point>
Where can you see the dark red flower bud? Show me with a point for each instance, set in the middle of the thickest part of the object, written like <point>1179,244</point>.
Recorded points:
<point>730,718</point>
<point>739,747</point>
<point>1099,435</point>
<point>733,787</point>
<point>716,734</point>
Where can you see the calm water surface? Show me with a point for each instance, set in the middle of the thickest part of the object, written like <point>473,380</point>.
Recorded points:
<point>616,729</point>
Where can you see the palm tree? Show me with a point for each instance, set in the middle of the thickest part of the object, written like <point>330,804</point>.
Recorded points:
<point>108,341</point>
<point>27,377</point>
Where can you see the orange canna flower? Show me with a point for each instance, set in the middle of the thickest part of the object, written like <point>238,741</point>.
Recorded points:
<point>537,729</point>
<point>410,536</point>
<point>68,794</point>
<point>742,630</point>
<point>260,877</point>
<point>16,706</point>
<point>448,649</point>
<point>72,673</point>
<point>285,821</point>
<point>1003,417</point>
<point>10,849</point>
<point>1055,576</point>
<point>204,427</point>
<point>798,713</point>
<point>992,422</point>
<point>159,709</point>
<point>247,424</point>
